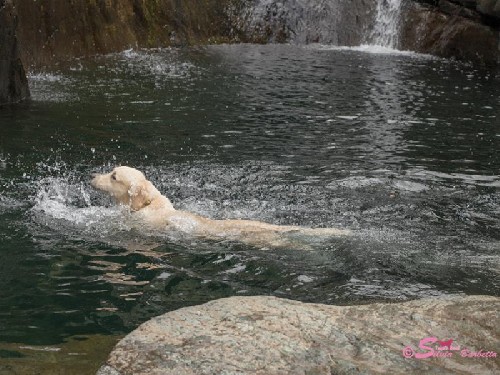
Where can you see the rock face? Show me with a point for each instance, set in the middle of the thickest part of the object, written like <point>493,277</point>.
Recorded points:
<point>268,335</point>
<point>13,83</point>
<point>462,29</point>
<point>54,30</point>
<point>488,7</point>
<point>449,30</point>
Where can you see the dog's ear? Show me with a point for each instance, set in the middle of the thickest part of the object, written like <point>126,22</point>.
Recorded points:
<point>140,195</point>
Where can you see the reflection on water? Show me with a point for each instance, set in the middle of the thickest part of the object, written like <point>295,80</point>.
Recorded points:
<point>401,149</point>
<point>77,356</point>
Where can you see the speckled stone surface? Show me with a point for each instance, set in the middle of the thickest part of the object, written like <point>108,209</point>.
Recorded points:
<point>268,335</point>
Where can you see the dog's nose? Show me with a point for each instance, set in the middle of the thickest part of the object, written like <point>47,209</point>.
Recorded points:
<point>94,175</point>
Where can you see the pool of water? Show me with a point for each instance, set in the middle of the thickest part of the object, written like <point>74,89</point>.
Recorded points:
<point>399,148</point>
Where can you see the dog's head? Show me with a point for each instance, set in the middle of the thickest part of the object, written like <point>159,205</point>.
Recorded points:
<point>127,186</point>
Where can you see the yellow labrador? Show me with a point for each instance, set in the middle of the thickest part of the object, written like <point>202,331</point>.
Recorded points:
<point>129,187</point>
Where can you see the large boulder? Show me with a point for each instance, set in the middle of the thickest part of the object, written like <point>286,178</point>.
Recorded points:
<point>268,335</point>
<point>13,82</point>
<point>489,7</point>
<point>448,34</point>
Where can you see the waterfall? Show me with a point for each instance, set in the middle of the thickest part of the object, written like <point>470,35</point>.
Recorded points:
<point>331,22</point>
<point>385,31</point>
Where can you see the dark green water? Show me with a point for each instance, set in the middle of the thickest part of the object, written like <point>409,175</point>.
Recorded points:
<point>401,149</point>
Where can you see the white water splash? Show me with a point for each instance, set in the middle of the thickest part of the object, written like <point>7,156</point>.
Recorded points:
<point>385,32</point>
<point>159,63</point>
<point>375,50</point>
<point>71,209</point>
<point>47,77</point>
<point>58,201</point>
<point>51,87</point>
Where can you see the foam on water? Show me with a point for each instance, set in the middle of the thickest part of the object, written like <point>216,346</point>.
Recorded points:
<point>50,87</point>
<point>8,204</point>
<point>158,63</point>
<point>375,50</point>
<point>46,77</point>
<point>77,210</point>
<point>60,201</point>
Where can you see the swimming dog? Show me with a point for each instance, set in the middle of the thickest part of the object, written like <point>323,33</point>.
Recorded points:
<point>129,187</point>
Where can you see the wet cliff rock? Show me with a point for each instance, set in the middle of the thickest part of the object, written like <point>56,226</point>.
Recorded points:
<point>268,335</point>
<point>13,83</point>
<point>53,30</point>
<point>487,7</point>
<point>467,30</point>
<point>488,10</point>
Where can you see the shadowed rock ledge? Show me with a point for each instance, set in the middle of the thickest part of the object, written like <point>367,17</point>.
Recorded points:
<point>268,335</point>
<point>13,82</point>
<point>466,30</point>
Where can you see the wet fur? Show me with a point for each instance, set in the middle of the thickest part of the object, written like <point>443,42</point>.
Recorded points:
<point>129,187</point>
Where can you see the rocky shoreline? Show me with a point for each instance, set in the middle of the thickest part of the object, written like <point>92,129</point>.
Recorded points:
<point>269,335</point>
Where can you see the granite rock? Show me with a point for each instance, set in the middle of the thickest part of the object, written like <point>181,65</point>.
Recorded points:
<point>268,335</point>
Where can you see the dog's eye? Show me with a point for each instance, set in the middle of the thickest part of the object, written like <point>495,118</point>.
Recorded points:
<point>113,176</point>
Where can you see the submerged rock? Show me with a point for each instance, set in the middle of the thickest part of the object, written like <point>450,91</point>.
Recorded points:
<point>268,335</point>
<point>13,82</point>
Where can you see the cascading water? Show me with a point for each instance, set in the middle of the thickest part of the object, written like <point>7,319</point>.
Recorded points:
<point>333,22</point>
<point>385,31</point>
